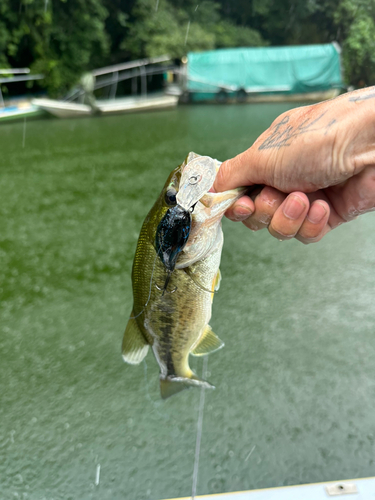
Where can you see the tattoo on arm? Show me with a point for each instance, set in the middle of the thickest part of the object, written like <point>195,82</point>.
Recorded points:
<point>283,133</point>
<point>363,97</point>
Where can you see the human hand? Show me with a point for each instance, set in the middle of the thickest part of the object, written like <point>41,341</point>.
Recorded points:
<point>317,164</point>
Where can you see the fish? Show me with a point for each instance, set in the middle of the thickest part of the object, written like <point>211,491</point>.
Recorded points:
<point>176,273</point>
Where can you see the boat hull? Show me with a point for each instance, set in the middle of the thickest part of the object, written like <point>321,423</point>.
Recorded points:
<point>13,113</point>
<point>131,105</point>
<point>62,109</point>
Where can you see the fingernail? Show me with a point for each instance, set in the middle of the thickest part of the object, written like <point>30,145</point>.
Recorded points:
<point>316,213</point>
<point>294,207</point>
<point>241,212</point>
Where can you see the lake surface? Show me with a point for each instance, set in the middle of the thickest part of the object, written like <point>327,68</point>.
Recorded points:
<point>295,384</point>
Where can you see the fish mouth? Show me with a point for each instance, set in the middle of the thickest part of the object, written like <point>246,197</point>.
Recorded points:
<point>172,234</point>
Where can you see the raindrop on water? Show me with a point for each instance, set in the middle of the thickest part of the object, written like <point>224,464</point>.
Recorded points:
<point>187,31</point>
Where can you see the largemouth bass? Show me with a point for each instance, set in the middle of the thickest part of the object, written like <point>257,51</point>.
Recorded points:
<point>176,273</point>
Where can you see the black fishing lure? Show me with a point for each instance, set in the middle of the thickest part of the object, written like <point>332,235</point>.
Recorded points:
<point>172,235</point>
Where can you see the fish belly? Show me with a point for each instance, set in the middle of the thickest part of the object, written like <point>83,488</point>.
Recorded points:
<point>177,319</point>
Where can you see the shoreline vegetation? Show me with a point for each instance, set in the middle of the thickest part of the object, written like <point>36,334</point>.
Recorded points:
<point>63,39</point>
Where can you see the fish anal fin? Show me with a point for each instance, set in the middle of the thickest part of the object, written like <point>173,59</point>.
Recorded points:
<point>209,342</point>
<point>134,345</point>
<point>172,385</point>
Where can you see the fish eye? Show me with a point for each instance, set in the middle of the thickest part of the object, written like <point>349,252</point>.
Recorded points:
<point>170,197</point>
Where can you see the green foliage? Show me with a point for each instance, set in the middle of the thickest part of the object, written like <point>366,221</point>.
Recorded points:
<point>229,35</point>
<point>174,30</point>
<point>60,39</point>
<point>356,21</point>
<point>290,22</point>
<point>65,38</point>
<point>164,31</point>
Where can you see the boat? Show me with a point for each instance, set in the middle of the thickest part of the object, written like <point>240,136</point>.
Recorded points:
<point>359,489</point>
<point>134,104</point>
<point>19,108</point>
<point>81,101</point>
<point>62,109</point>
<point>20,111</point>
<point>262,74</point>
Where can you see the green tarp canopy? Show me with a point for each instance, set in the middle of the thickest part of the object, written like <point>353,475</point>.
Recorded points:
<point>293,69</point>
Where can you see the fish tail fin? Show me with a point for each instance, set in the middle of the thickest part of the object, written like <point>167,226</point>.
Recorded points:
<point>169,387</point>
<point>172,385</point>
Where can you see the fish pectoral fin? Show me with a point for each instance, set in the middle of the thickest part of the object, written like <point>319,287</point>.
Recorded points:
<point>209,342</point>
<point>172,385</point>
<point>217,280</point>
<point>134,345</point>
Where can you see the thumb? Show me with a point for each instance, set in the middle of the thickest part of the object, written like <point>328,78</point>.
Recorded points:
<point>236,172</point>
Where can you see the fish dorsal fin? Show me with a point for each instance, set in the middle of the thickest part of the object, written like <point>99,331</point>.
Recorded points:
<point>209,342</point>
<point>134,345</point>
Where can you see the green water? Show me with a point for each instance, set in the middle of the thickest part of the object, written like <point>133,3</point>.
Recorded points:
<point>295,397</point>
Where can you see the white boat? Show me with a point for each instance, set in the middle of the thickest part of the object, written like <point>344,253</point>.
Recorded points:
<point>81,100</point>
<point>356,489</point>
<point>133,104</point>
<point>63,109</point>
<point>17,108</point>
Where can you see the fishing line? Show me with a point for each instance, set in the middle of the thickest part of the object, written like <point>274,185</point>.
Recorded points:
<point>155,404</point>
<point>199,432</point>
<point>193,279</point>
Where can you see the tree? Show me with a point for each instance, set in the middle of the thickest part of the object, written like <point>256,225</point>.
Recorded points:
<point>64,38</point>
<point>60,39</point>
<point>165,28</point>
<point>291,22</point>
<point>357,34</point>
